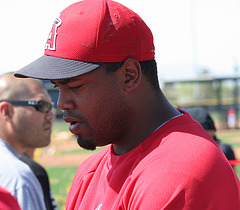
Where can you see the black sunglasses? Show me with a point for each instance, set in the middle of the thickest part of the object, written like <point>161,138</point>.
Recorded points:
<point>41,106</point>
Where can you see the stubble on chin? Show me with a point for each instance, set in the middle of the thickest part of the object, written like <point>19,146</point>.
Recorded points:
<point>85,143</point>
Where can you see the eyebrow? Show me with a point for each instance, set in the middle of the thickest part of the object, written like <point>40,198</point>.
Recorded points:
<point>65,81</point>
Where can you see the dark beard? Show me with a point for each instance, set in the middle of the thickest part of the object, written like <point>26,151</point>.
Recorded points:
<point>85,143</point>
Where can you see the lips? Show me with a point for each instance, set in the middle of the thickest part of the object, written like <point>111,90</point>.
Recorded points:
<point>48,126</point>
<point>74,124</point>
<point>75,127</point>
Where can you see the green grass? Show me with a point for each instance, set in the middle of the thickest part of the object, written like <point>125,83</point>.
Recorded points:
<point>60,181</point>
<point>230,137</point>
<point>237,168</point>
<point>60,125</point>
<point>234,144</point>
<point>78,150</point>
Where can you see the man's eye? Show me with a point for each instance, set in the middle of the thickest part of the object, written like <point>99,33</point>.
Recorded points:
<point>75,87</point>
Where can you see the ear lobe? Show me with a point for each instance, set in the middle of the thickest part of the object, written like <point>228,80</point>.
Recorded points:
<point>132,74</point>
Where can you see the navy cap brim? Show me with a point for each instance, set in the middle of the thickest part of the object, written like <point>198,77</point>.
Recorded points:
<point>52,68</point>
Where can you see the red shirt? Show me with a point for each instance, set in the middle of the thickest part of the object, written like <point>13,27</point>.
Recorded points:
<point>178,167</point>
<point>7,201</point>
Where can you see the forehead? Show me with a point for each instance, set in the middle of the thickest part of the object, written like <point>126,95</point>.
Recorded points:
<point>37,91</point>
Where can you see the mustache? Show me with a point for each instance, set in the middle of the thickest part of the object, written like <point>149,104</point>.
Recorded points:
<point>73,115</point>
<point>47,123</point>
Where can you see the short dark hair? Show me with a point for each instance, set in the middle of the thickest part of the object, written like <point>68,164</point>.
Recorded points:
<point>149,70</point>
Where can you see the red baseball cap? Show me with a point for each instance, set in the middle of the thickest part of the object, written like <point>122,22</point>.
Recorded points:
<point>87,34</point>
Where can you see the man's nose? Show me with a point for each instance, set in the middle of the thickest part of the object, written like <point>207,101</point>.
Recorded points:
<point>50,115</point>
<point>64,102</point>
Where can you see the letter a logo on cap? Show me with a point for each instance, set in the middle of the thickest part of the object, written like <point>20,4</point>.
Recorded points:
<point>51,42</point>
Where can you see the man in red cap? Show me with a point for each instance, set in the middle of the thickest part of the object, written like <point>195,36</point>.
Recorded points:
<point>100,55</point>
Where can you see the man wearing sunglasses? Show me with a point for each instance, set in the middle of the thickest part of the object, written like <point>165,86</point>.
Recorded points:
<point>26,121</point>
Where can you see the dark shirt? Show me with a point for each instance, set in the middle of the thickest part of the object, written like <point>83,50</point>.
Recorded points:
<point>228,151</point>
<point>42,177</point>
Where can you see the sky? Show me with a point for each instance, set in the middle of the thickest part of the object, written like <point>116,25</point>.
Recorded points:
<point>189,35</point>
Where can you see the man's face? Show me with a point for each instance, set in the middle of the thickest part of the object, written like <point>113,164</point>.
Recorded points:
<point>33,128</point>
<point>95,107</point>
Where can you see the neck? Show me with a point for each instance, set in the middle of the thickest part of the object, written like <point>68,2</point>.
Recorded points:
<point>146,120</point>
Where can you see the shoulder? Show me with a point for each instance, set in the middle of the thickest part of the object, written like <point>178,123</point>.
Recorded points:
<point>181,148</point>
<point>15,174</point>
<point>180,139</point>
<point>20,181</point>
<point>180,167</point>
<point>34,166</point>
<point>180,157</point>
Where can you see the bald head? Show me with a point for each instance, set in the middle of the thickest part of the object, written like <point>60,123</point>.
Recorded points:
<point>12,88</point>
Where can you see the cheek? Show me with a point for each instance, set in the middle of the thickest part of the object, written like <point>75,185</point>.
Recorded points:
<point>108,110</point>
<point>31,120</point>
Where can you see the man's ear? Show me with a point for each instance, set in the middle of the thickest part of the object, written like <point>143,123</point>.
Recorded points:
<point>132,74</point>
<point>6,110</point>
